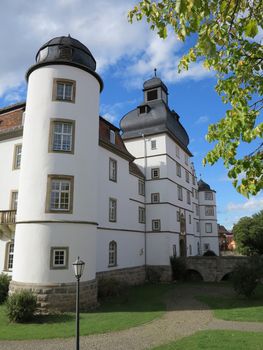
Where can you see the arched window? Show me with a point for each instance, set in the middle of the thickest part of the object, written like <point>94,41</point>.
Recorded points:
<point>112,253</point>
<point>9,256</point>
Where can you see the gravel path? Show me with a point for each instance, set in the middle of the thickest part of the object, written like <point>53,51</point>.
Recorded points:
<point>184,316</point>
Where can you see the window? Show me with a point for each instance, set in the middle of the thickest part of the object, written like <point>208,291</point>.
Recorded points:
<point>190,219</point>
<point>178,169</point>
<point>61,137</point>
<point>155,197</point>
<point>153,144</point>
<point>156,225</point>
<point>197,226</point>
<point>196,194</point>
<point>177,151</point>
<point>59,258</point>
<point>209,196</point>
<point>112,253</point>
<point>141,187</point>
<point>152,95</point>
<point>112,210</point>
<point>9,255</point>
<point>180,192</point>
<point>193,179</point>
<point>187,179</point>
<point>188,197</point>
<point>155,172</point>
<point>209,210</point>
<point>112,137</point>
<point>178,215</point>
<point>186,159</point>
<point>14,197</point>
<point>174,250</point>
<point>208,227</point>
<point>206,246</point>
<point>113,170</point>
<point>197,209</point>
<point>193,192</point>
<point>143,109</point>
<point>64,90</point>
<point>60,194</point>
<point>141,215</point>
<point>17,156</point>
<point>190,249</point>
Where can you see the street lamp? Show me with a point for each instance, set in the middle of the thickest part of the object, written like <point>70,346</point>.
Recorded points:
<point>78,267</point>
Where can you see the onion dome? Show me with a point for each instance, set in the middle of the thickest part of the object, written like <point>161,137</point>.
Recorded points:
<point>67,51</point>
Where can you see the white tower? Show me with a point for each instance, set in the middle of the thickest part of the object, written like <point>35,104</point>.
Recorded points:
<point>57,206</point>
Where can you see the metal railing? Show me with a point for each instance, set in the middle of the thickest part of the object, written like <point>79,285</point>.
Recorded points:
<point>7,217</point>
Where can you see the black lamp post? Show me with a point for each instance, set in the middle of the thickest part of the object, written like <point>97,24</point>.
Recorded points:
<point>78,267</point>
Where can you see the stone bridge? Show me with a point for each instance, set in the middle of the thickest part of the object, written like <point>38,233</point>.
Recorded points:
<point>212,268</point>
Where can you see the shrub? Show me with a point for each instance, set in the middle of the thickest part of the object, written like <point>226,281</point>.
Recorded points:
<point>4,287</point>
<point>246,276</point>
<point>178,268</point>
<point>110,287</point>
<point>153,275</point>
<point>209,253</point>
<point>21,306</point>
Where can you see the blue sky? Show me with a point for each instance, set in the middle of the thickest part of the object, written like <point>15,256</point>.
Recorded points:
<point>126,56</point>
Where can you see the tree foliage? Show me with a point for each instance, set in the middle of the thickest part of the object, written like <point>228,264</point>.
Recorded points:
<point>227,43</point>
<point>248,234</point>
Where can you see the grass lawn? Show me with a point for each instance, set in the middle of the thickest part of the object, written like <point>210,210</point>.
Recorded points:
<point>218,340</point>
<point>237,308</point>
<point>141,305</point>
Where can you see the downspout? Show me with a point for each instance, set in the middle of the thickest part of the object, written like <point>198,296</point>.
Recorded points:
<point>145,240</point>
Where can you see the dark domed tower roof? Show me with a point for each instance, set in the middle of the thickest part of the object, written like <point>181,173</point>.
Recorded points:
<point>68,51</point>
<point>203,186</point>
<point>154,116</point>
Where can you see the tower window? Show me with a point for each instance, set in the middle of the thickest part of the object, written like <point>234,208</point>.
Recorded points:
<point>156,225</point>
<point>155,172</point>
<point>155,197</point>
<point>153,144</point>
<point>59,258</point>
<point>112,137</point>
<point>64,90</point>
<point>60,194</point>
<point>144,109</point>
<point>141,215</point>
<point>152,95</point>
<point>209,196</point>
<point>62,136</point>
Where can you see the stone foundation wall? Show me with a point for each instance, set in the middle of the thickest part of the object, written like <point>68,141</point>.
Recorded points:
<point>130,275</point>
<point>164,272</point>
<point>60,297</point>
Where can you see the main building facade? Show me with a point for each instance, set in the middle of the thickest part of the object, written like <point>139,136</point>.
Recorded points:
<point>72,184</point>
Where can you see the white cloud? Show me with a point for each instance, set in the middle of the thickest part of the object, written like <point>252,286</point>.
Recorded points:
<point>253,204</point>
<point>101,25</point>
<point>202,120</point>
<point>113,112</point>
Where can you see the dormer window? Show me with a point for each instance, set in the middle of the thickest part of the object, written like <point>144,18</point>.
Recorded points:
<point>152,95</point>
<point>144,109</point>
<point>112,136</point>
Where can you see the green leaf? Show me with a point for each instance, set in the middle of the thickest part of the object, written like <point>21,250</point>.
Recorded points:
<point>251,29</point>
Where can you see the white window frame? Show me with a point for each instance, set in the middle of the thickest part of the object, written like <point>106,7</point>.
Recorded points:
<point>208,227</point>
<point>113,170</point>
<point>179,192</point>
<point>208,195</point>
<point>112,137</point>
<point>9,255</point>
<point>141,187</point>
<point>112,254</point>
<point>141,213</point>
<point>62,141</point>
<point>209,210</point>
<point>14,199</point>
<point>155,173</point>
<point>153,144</point>
<point>155,197</point>
<point>112,210</point>
<point>187,176</point>
<point>17,156</point>
<point>186,158</point>
<point>64,95</point>
<point>59,199</point>
<point>178,170</point>
<point>156,225</point>
<point>56,254</point>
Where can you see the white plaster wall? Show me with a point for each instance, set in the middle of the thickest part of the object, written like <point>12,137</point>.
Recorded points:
<point>130,249</point>
<point>32,262</point>
<point>32,241</point>
<point>9,177</point>
<point>159,248</point>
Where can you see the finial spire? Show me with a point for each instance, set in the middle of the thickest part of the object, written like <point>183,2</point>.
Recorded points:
<point>200,176</point>
<point>69,36</point>
<point>155,70</point>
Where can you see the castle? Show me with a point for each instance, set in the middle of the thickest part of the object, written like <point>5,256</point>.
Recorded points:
<point>73,185</point>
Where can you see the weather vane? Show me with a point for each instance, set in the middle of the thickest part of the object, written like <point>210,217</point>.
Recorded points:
<point>155,70</point>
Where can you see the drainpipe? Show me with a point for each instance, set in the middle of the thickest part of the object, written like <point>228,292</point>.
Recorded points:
<point>145,240</point>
